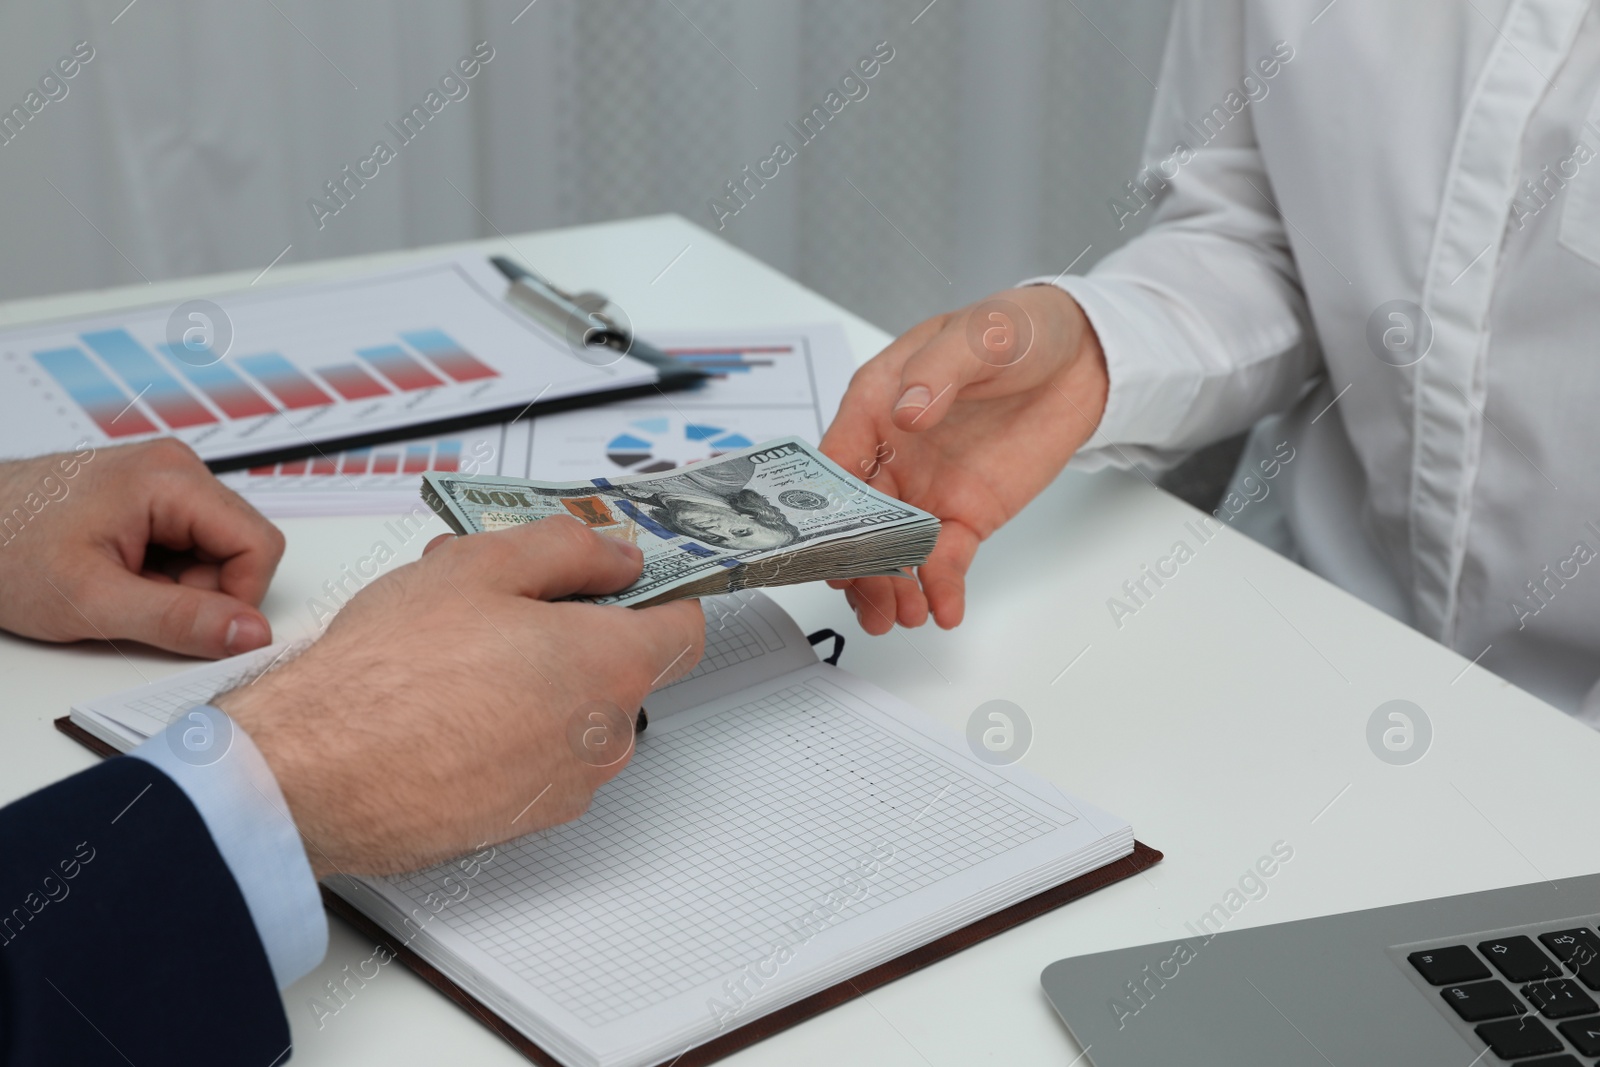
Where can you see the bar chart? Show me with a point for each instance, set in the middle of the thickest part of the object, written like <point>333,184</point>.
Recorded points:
<point>223,386</point>
<point>167,397</point>
<point>443,454</point>
<point>721,362</point>
<point>417,350</point>
<point>448,356</point>
<point>384,479</point>
<point>129,380</point>
<point>107,406</point>
<point>353,383</point>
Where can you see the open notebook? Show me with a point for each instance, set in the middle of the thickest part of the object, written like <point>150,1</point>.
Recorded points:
<point>782,828</point>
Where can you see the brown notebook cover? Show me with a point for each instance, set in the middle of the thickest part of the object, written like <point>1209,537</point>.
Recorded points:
<point>741,1037</point>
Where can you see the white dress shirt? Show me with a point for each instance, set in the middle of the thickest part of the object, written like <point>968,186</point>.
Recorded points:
<point>1441,155</point>
<point>238,799</point>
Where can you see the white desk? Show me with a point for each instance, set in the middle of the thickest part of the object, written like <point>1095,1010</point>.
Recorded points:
<point>1216,719</point>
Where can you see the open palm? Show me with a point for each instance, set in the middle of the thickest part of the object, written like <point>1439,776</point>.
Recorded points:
<point>967,416</point>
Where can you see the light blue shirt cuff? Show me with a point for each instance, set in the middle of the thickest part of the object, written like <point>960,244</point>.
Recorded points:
<point>228,781</point>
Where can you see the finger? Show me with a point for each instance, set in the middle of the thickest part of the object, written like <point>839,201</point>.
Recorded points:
<point>546,560</point>
<point>673,638</point>
<point>944,576</point>
<point>185,568</point>
<point>935,374</point>
<point>946,590</point>
<point>190,510</point>
<point>855,431</point>
<point>911,606</point>
<point>875,605</point>
<point>442,539</point>
<point>200,576</point>
<point>195,622</point>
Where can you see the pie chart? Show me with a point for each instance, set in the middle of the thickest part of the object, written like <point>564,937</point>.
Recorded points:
<point>662,443</point>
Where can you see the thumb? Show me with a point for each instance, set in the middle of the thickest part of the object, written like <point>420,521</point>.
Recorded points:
<point>545,560</point>
<point>934,375</point>
<point>179,618</point>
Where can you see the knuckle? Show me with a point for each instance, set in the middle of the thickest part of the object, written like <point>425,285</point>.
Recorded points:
<point>168,454</point>
<point>493,549</point>
<point>568,533</point>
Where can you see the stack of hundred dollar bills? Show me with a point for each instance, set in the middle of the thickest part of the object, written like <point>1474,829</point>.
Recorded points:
<point>775,514</point>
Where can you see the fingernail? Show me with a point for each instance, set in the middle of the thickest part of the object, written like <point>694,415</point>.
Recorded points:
<point>918,396</point>
<point>628,549</point>
<point>245,632</point>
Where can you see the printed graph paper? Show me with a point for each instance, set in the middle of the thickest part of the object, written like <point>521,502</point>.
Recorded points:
<point>166,704</point>
<point>715,844</point>
<point>162,701</point>
<point>731,636</point>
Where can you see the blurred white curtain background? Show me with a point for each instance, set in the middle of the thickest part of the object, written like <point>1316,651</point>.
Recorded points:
<point>985,150</point>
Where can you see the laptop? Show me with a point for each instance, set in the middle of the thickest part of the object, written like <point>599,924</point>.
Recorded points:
<point>1503,976</point>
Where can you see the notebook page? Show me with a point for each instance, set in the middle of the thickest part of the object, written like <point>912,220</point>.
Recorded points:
<point>749,638</point>
<point>145,710</point>
<point>755,850</point>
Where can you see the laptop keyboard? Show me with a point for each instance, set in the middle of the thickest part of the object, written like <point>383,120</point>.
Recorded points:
<point>1530,996</point>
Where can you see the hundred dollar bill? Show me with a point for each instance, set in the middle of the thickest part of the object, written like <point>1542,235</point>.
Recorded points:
<point>775,514</point>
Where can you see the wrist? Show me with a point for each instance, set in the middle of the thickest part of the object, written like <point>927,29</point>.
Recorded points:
<point>1083,377</point>
<point>215,762</point>
<point>1088,373</point>
<point>285,755</point>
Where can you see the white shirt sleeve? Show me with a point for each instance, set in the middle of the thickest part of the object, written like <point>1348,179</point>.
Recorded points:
<point>228,781</point>
<point>1202,317</point>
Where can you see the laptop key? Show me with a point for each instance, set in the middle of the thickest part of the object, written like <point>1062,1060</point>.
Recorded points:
<point>1478,1001</point>
<point>1579,944</point>
<point>1512,1039</point>
<point>1584,1034</point>
<point>1560,998</point>
<point>1519,959</point>
<point>1579,949</point>
<point>1449,966</point>
<point>1552,1061</point>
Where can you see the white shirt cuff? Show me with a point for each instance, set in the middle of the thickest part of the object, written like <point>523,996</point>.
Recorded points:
<point>1145,400</point>
<point>228,781</point>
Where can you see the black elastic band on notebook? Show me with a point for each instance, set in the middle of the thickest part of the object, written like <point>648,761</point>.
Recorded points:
<point>838,644</point>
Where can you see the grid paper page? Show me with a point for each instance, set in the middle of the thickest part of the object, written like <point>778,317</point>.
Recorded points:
<point>731,636</point>
<point>749,639</point>
<point>147,708</point>
<point>165,705</point>
<point>655,890</point>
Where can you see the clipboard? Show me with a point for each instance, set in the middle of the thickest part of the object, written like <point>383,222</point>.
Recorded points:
<point>587,319</point>
<point>741,1037</point>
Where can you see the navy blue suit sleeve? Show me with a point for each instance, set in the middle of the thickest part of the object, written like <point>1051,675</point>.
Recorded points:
<point>123,936</point>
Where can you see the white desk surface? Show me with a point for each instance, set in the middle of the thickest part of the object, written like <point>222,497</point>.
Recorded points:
<point>1222,718</point>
